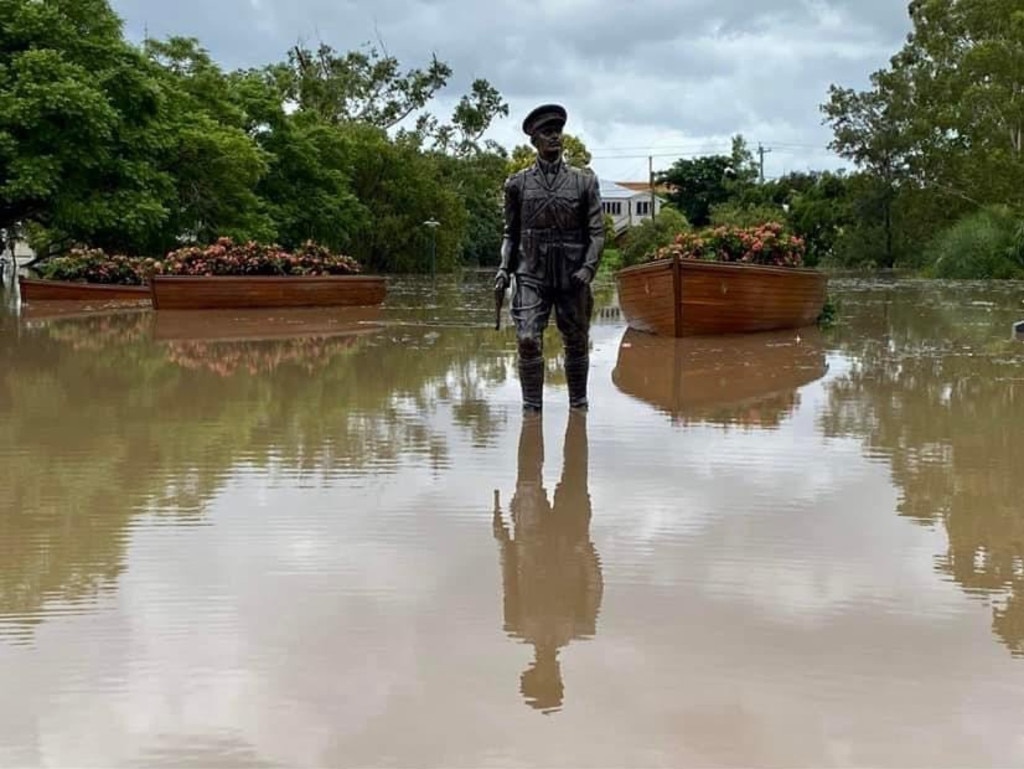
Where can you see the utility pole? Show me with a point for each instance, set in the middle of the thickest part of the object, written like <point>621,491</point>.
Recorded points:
<point>762,151</point>
<point>650,181</point>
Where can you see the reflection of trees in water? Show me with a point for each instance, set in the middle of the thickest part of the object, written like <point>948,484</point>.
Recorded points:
<point>948,419</point>
<point>258,357</point>
<point>749,381</point>
<point>99,423</point>
<point>769,411</point>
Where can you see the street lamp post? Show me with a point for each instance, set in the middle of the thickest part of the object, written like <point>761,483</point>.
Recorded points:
<point>433,225</point>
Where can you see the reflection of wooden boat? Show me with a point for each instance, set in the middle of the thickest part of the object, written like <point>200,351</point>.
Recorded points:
<point>49,290</point>
<point>688,297</point>
<point>197,292</point>
<point>69,309</point>
<point>226,342</point>
<point>264,324</point>
<point>723,378</point>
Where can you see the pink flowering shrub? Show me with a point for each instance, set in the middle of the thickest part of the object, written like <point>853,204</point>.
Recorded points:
<point>225,257</point>
<point>764,244</point>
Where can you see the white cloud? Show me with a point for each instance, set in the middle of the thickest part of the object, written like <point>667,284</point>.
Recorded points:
<point>633,75</point>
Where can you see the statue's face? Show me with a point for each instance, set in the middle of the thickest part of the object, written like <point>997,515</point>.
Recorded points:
<point>548,141</point>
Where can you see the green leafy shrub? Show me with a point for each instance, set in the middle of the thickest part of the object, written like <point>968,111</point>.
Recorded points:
<point>987,244</point>
<point>93,265</point>
<point>611,262</point>
<point>829,315</point>
<point>642,240</point>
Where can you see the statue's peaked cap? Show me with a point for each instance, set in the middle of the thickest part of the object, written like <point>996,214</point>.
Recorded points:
<point>542,115</point>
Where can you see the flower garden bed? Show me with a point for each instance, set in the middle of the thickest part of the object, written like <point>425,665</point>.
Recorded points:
<point>224,274</point>
<point>722,280</point>
<point>766,244</point>
<point>225,257</point>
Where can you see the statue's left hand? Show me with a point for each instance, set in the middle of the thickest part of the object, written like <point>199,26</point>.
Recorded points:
<point>582,277</point>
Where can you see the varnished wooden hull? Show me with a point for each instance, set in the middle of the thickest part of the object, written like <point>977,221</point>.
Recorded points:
<point>33,290</point>
<point>187,292</point>
<point>721,378</point>
<point>687,297</point>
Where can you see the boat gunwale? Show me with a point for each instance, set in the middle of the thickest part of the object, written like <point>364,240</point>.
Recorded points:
<point>266,278</point>
<point>210,292</point>
<point>666,265</point>
<point>97,288</point>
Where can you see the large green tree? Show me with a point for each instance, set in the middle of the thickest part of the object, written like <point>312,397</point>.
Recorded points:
<point>216,162</point>
<point>940,131</point>
<point>478,180</point>
<point>307,188</point>
<point>136,149</point>
<point>403,163</point>
<point>401,187</point>
<point>696,185</point>
<point>80,112</point>
<point>872,128</point>
<point>364,86</point>
<point>964,66</point>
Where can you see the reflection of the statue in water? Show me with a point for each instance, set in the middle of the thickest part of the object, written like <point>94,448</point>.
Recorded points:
<point>749,380</point>
<point>551,572</point>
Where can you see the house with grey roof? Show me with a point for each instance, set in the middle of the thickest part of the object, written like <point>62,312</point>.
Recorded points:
<point>627,205</point>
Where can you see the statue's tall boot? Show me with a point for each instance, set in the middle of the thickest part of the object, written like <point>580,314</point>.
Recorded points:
<point>531,381</point>
<point>577,369</point>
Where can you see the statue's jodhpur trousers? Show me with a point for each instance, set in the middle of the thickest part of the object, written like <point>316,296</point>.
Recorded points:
<point>531,311</point>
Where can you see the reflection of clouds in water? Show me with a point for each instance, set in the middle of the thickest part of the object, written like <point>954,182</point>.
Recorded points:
<point>226,634</point>
<point>763,603</point>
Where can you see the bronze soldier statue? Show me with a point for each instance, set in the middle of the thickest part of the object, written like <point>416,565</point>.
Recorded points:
<point>551,572</point>
<point>553,239</point>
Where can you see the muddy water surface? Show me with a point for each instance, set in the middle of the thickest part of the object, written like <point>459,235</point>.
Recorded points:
<point>328,538</point>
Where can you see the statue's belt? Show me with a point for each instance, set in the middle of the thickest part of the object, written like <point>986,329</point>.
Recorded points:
<point>549,234</point>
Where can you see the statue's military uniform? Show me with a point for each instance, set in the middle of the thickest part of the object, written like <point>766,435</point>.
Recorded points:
<point>554,227</point>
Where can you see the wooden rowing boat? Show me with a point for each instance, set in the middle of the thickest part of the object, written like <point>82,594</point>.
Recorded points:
<point>690,297</point>
<point>726,378</point>
<point>33,290</point>
<point>199,292</point>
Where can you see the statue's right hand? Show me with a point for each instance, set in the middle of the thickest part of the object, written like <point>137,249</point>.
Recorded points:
<point>501,280</point>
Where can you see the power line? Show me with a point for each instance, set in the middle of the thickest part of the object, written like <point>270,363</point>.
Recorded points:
<point>649,147</point>
<point>697,146</point>
<point>692,153</point>
<point>649,155</point>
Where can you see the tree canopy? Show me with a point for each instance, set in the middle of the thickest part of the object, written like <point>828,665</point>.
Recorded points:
<point>136,149</point>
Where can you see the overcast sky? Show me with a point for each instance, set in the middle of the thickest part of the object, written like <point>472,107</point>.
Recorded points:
<point>668,78</point>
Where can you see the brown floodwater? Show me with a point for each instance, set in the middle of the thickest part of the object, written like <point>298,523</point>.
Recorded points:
<point>329,538</point>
